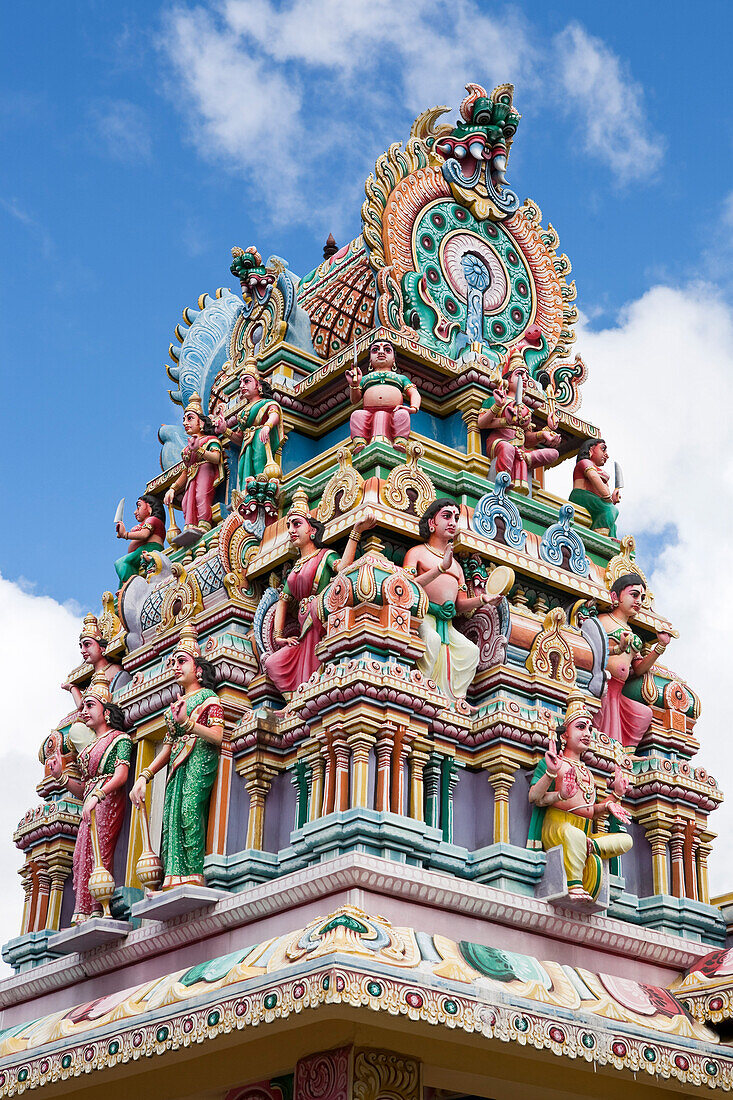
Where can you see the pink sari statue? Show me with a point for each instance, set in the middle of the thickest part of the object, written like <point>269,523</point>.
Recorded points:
<point>97,763</point>
<point>622,718</point>
<point>103,764</point>
<point>294,660</point>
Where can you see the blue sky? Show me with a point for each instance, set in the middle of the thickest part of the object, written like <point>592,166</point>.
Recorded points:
<point>142,141</point>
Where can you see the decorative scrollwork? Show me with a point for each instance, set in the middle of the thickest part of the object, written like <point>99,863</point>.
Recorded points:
<point>344,491</point>
<point>407,488</point>
<point>182,600</point>
<point>497,518</point>
<point>382,1075</point>
<point>563,547</point>
<point>551,655</point>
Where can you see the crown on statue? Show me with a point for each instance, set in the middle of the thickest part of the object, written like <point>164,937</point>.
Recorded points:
<point>515,360</point>
<point>188,640</point>
<point>576,707</point>
<point>99,689</point>
<point>90,629</point>
<point>194,405</point>
<point>251,368</point>
<point>299,506</point>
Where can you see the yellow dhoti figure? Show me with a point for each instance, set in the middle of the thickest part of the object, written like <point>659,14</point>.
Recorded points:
<point>450,657</point>
<point>572,833</point>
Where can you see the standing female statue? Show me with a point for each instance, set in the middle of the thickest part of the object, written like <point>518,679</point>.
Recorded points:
<point>294,659</point>
<point>103,767</point>
<point>256,428</point>
<point>195,723</point>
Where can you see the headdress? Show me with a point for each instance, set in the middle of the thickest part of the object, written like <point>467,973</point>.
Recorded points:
<point>251,368</point>
<point>99,689</point>
<point>194,405</point>
<point>515,360</point>
<point>576,707</point>
<point>90,629</point>
<point>299,506</point>
<point>187,640</point>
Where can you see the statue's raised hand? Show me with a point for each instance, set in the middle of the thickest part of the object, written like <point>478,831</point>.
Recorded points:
<point>553,762</point>
<point>568,784</point>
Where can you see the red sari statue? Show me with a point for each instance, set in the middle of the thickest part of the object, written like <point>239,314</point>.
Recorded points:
<point>624,719</point>
<point>294,660</point>
<point>103,766</point>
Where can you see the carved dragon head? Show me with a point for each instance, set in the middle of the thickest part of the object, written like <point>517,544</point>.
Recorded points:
<point>475,151</point>
<point>254,278</point>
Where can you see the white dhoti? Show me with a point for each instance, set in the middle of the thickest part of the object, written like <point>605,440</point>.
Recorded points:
<point>451,663</point>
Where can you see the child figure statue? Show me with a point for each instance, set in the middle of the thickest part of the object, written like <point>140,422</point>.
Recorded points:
<point>563,794</point>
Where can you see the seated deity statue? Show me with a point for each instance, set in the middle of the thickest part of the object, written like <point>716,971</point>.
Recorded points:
<point>513,443</point>
<point>382,392</point>
<point>622,718</point>
<point>591,489</point>
<point>565,805</point>
<point>450,659</point>
<point>147,534</point>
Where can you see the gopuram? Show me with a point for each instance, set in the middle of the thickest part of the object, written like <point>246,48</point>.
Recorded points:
<point>376,781</point>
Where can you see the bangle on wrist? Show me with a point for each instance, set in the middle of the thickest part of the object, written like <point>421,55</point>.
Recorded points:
<point>146,774</point>
<point>353,537</point>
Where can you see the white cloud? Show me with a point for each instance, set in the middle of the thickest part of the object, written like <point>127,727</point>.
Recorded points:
<point>660,387</point>
<point>301,98</point>
<point>123,129</point>
<point>38,648</point>
<point>609,104</point>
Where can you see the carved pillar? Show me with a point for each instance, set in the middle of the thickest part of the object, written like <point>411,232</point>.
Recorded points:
<point>60,864</point>
<point>146,750</point>
<point>450,778</point>
<point>44,889</point>
<point>690,856</point>
<point>704,848</point>
<point>432,790</point>
<point>657,833</point>
<point>384,759</point>
<point>676,855</point>
<point>341,757</point>
<point>216,838</point>
<point>26,877</point>
<point>329,781</point>
<point>257,780</point>
<point>473,436</point>
<point>470,405</point>
<point>502,770</point>
<point>317,772</point>
<point>361,745</point>
<point>298,777</point>
<point>399,756</point>
<point>418,759</point>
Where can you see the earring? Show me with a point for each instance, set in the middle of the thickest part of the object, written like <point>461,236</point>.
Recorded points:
<point>198,675</point>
